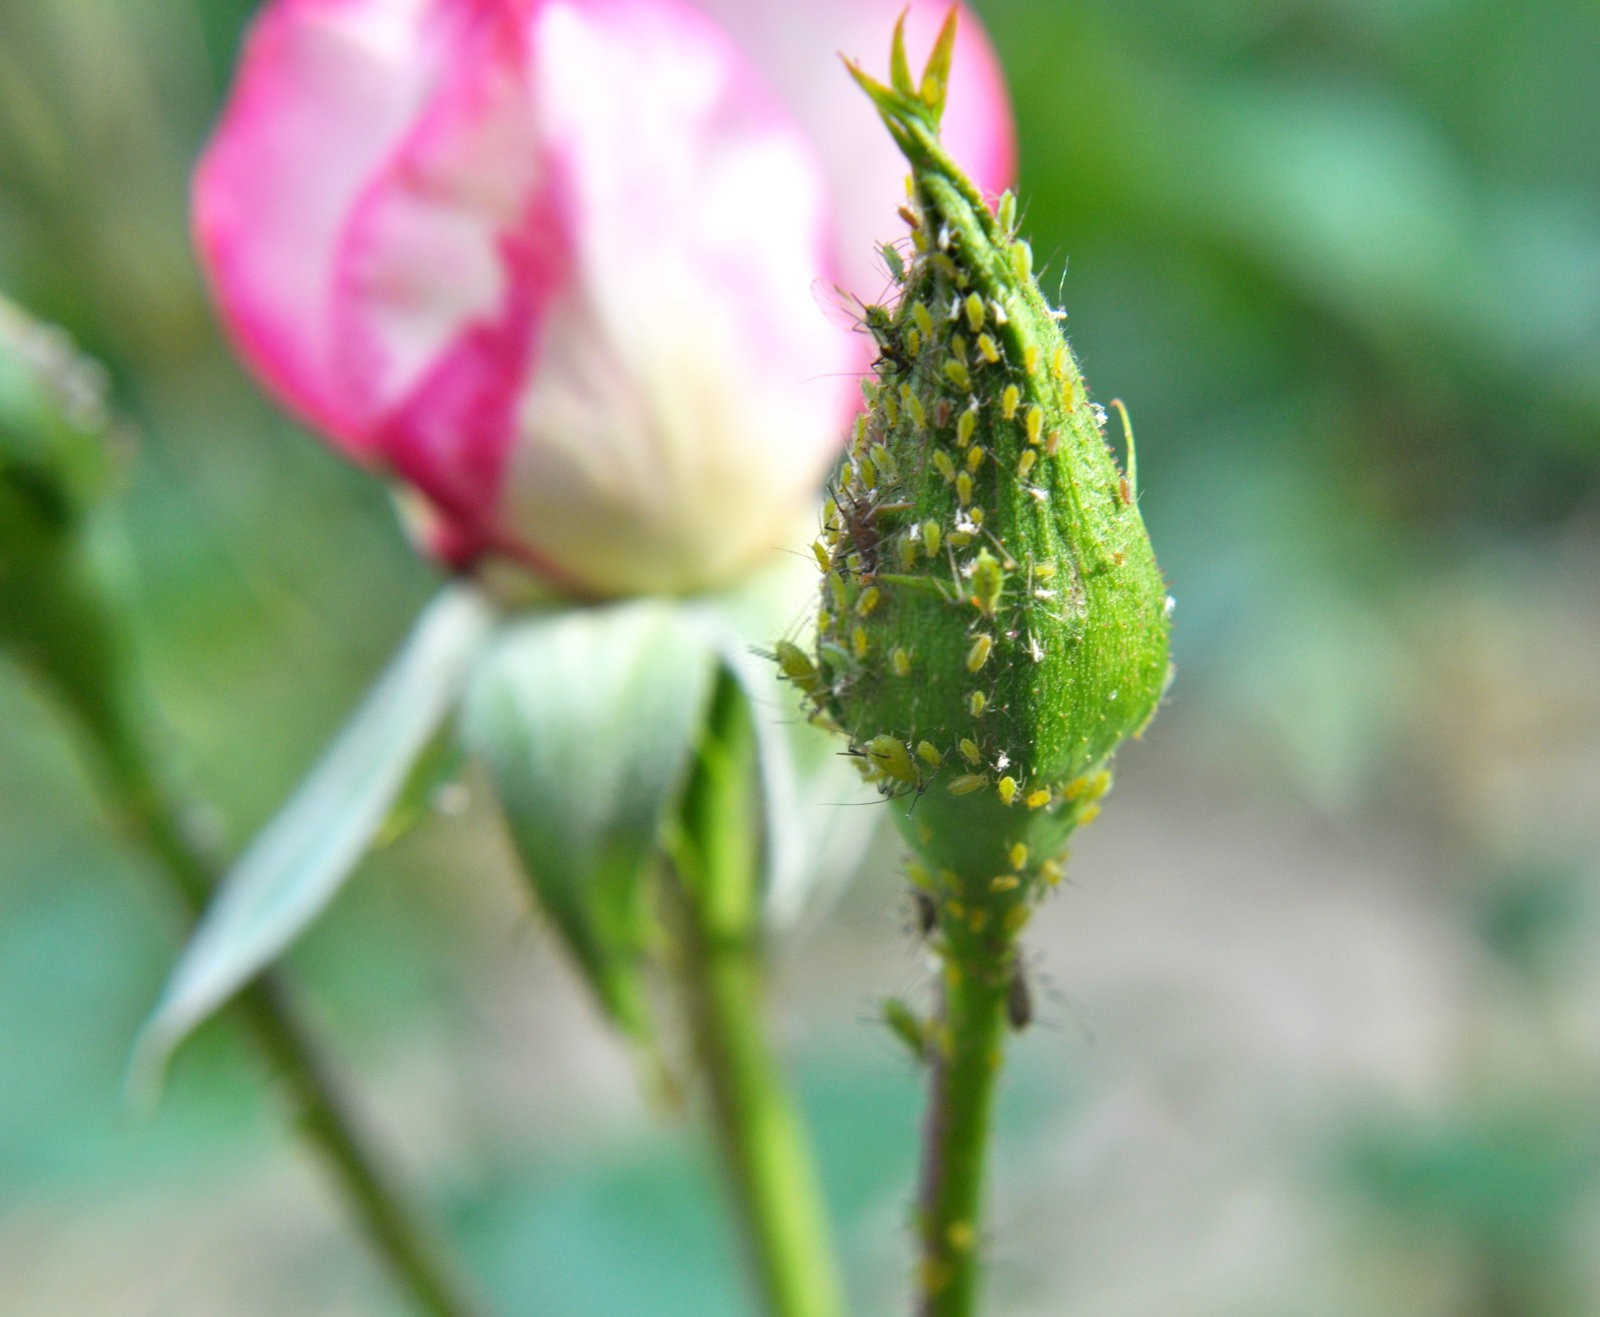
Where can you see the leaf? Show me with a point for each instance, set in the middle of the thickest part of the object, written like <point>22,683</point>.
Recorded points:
<point>298,861</point>
<point>819,817</point>
<point>586,719</point>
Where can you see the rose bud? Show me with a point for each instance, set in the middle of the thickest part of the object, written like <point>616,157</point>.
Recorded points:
<point>993,623</point>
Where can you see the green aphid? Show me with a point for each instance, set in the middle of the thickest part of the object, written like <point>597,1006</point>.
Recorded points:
<point>889,755</point>
<point>988,582</point>
<point>891,259</point>
<point>907,1026</point>
<point>796,665</point>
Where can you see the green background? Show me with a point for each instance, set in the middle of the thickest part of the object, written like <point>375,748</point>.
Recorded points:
<point>1319,1012</point>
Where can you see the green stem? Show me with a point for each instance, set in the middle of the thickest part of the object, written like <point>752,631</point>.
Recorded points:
<point>978,928</point>
<point>93,671</point>
<point>716,854</point>
<point>966,1061</point>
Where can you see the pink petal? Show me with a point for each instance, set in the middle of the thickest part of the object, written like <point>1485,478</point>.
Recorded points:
<point>796,47</point>
<point>690,391</point>
<point>325,92</point>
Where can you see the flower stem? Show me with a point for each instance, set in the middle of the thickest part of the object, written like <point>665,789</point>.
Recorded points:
<point>965,1049</point>
<point>716,853</point>
<point>954,1143</point>
<point>96,680</point>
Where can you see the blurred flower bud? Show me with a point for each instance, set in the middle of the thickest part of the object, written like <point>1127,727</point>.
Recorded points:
<point>53,437</point>
<point>562,267</point>
<point>993,622</point>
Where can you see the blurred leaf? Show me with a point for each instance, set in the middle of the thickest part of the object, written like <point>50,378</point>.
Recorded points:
<point>296,864</point>
<point>1511,1180</point>
<point>585,718</point>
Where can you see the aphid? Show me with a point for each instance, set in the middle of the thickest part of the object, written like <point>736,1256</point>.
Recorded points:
<point>947,468</point>
<point>966,423</point>
<point>1037,798</point>
<point>970,751</point>
<point>859,518</point>
<point>927,912</point>
<point>987,350</point>
<point>904,1025</point>
<point>963,484</point>
<point>1021,260</point>
<point>1009,398</point>
<point>891,258</point>
<point>967,783</point>
<point>1025,463</point>
<point>1018,855</point>
<point>890,756</point>
<point>978,655</point>
<point>930,535</point>
<point>1019,999</point>
<point>1006,211</point>
<point>900,662</point>
<point>988,582</point>
<point>929,754</point>
<point>913,406</point>
<point>890,348</point>
<point>923,317</point>
<point>1034,423</point>
<point>955,370</point>
<point>974,455</point>
<point>796,665</point>
<point>1007,788</point>
<point>868,600</point>
<point>973,306</point>
<point>1005,882</point>
<point>912,219</point>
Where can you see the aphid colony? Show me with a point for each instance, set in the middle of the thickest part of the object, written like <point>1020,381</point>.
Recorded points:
<point>954,448</point>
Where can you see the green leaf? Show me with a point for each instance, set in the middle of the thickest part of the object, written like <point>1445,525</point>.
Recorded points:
<point>296,864</point>
<point>586,719</point>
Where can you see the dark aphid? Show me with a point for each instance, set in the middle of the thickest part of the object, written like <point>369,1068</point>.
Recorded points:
<point>860,517</point>
<point>927,913</point>
<point>891,348</point>
<point>1019,999</point>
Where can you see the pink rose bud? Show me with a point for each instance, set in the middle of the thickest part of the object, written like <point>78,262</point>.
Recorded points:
<point>567,267</point>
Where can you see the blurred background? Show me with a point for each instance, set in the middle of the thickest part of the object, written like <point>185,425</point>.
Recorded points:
<point>1318,1024</point>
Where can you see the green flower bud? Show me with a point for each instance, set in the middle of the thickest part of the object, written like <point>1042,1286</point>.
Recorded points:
<point>994,623</point>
